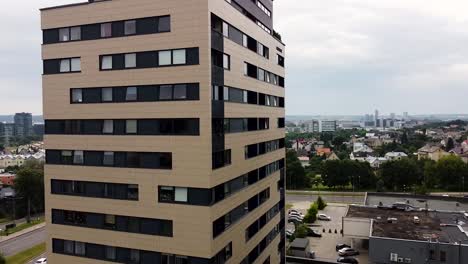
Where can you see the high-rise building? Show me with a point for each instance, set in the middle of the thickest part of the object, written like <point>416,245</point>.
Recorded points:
<point>405,116</point>
<point>376,118</point>
<point>23,124</point>
<point>392,116</point>
<point>164,132</point>
<point>328,125</point>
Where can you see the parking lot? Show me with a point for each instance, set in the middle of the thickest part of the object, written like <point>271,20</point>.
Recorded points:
<point>324,246</point>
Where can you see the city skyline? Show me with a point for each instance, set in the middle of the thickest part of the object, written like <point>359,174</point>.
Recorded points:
<point>343,57</point>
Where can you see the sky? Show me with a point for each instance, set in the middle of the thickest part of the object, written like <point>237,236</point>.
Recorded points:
<point>343,57</point>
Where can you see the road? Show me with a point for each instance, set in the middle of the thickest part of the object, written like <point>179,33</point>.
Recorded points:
<point>23,242</point>
<point>329,198</point>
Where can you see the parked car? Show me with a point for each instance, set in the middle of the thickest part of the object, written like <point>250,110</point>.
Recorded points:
<point>41,261</point>
<point>289,233</point>
<point>340,246</point>
<point>313,233</point>
<point>347,260</point>
<point>344,252</point>
<point>293,211</point>
<point>416,220</point>
<point>297,215</point>
<point>323,217</point>
<point>295,220</point>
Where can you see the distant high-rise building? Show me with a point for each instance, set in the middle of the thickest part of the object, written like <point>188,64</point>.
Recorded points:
<point>23,124</point>
<point>392,116</point>
<point>7,131</point>
<point>405,116</point>
<point>328,125</point>
<point>376,118</point>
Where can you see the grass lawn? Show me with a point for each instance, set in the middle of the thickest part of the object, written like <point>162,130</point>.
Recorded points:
<point>6,219</point>
<point>26,255</point>
<point>21,227</point>
<point>288,206</point>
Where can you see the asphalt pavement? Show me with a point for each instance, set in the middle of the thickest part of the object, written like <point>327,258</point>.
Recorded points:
<point>23,242</point>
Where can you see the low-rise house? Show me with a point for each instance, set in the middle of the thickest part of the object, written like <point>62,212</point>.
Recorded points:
<point>460,152</point>
<point>395,155</point>
<point>7,179</point>
<point>376,162</point>
<point>304,160</point>
<point>332,156</point>
<point>431,152</point>
<point>323,151</point>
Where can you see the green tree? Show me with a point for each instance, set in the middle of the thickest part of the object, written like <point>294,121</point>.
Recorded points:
<point>321,204</point>
<point>400,175</point>
<point>295,173</point>
<point>335,173</point>
<point>311,215</point>
<point>452,172</point>
<point>29,184</point>
<point>2,259</point>
<point>301,231</point>
<point>404,138</point>
<point>316,180</point>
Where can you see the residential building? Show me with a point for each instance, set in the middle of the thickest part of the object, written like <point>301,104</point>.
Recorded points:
<point>38,129</point>
<point>376,118</point>
<point>375,162</point>
<point>7,131</point>
<point>431,152</point>
<point>23,125</point>
<point>328,125</point>
<point>395,155</point>
<point>304,160</point>
<point>7,179</point>
<point>332,156</point>
<point>164,132</point>
<point>323,151</point>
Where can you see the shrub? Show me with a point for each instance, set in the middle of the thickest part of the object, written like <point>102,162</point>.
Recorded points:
<point>321,204</point>
<point>301,231</point>
<point>311,215</point>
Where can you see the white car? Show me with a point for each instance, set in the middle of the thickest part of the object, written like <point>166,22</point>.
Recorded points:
<point>41,261</point>
<point>323,217</point>
<point>296,215</point>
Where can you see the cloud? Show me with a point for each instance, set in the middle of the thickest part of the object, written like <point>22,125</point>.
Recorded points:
<point>343,56</point>
<point>349,57</point>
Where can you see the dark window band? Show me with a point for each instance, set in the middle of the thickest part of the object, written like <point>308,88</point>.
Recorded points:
<point>149,59</point>
<point>142,93</point>
<point>118,159</point>
<point>260,74</point>
<point>221,159</point>
<point>237,125</point>
<point>258,250</point>
<point>224,222</point>
<point>262,148</point>
<point>236,95</point>
<point>281,122</point>
<point>62,65</point>
<point>111,29</point>
<point>130,255</point>
<point>222,28</point>
<point>256,226</point>
<point>130,224</point>
<point>162,127</point>
<point>118,191</point>
<point>209,197</point>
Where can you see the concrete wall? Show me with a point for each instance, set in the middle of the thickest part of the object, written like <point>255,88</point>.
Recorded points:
<point>418,251</point>
<point>356,227</point>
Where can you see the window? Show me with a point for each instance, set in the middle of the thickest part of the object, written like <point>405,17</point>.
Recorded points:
<point>67,156</point>
<point>179,56</point>
<point>131,94</point>
<point>443,256</point>
<point>225,29</point>
<point>166,194</point>
<point>245,40</point>
<point>260,49</point>
<point>78,157</point>
<point>109,221</point>
<point>226,62</point>
<point>77,95</point>
<point>106,30</point>
<point>65,65</point>
<point>226,93</point>
<point>80,248</point>
<point>165,57</point>
<point>180,194</point>
<point>261,74</point>
<point>106,63</point>
<point>68,246</point>
<point>181,260</point>
<point>132,191</point>
<point>75,33</point>
<point>131,127</point>
<point>130,27</point>
<point>180,91</point>
<point>64,34</point>
<point>108,127</point>
<point>164,24</point>
<point>106,94</point>
<point>263,8</point>
<point>110,253</point>
<point>165,92</point>
<point>130,60</point>
<point>134,256</point>
<point>108,158</point>
<point>75,64</point>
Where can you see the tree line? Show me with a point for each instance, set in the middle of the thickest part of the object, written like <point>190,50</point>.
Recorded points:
<point>408,174</point>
